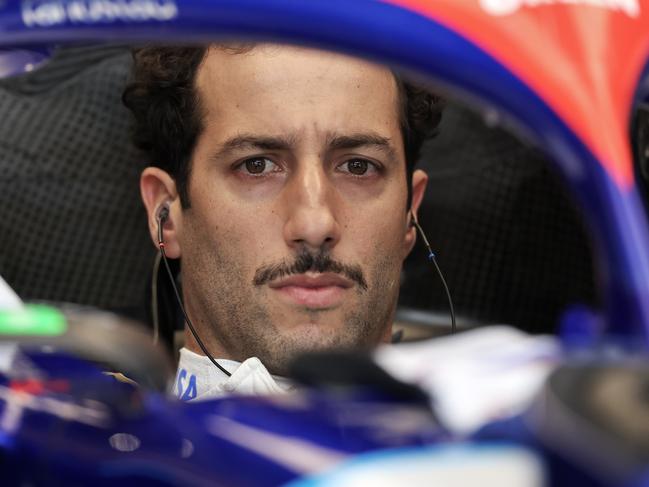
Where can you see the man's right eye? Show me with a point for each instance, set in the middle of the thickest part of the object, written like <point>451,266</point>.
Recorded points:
<point>258,166</point>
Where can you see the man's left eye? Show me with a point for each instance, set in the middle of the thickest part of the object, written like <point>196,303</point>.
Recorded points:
<point>358,167</point>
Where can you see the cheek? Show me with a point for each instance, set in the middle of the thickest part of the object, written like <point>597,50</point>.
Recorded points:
<point>379,237</point>
<point>242,233</point>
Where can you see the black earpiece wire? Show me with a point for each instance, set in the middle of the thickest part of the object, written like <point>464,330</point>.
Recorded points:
<point>155,314</point>
<point>432,258</point>
<point>163,214</point>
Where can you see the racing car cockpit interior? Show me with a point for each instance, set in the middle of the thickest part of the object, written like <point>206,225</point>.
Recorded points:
<point>517,351</point>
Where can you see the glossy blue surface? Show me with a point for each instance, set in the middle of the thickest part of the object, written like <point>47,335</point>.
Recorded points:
<point>85,427</point>
<point>77,426</point>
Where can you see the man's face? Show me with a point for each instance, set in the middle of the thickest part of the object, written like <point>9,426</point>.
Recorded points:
<point>297,227</point>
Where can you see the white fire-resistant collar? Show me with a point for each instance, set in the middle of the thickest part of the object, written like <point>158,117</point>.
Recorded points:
<point>197,378</point>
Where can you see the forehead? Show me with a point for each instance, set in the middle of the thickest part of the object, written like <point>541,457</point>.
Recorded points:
<point>292,89</point>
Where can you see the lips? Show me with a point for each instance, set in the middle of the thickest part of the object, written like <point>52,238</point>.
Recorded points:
<point>312,290</point>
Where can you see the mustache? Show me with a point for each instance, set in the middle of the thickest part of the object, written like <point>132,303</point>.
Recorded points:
<point>305,262</point>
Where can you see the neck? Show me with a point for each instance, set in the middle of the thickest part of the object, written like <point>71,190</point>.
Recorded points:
<point>214,349</point>
<point>205,333</point>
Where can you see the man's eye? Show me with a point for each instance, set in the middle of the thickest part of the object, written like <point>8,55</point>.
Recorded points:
<point>357,167</point>
<point>258,166</point>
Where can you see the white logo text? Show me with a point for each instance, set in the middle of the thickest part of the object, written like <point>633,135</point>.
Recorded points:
<point>47,13</point>
<point>507,7</point>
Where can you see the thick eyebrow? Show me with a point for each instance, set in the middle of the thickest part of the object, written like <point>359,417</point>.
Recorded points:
<point>281,143</point>
<point>258,142</point>
<point>362,140</point>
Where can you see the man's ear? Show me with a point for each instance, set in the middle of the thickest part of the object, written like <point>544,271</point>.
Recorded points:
<point>158,189</point>
<point>419,182</point>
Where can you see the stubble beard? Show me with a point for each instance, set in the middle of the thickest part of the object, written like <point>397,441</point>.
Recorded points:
<point>233,316</point>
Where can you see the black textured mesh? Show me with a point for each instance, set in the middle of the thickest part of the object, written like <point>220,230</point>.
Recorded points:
<point>72,224</point>
<point>510,241</point>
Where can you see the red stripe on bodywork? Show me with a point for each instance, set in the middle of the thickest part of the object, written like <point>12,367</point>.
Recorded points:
<point>584,61</point>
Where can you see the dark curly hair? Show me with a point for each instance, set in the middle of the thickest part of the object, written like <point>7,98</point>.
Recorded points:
<point>165,105</point>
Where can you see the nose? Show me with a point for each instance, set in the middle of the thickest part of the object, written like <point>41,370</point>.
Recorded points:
<point>310,199</point>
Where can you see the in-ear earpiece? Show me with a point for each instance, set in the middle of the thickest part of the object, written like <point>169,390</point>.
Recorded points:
<point>163,212</point>
<point>162,215</point>
<point>415,223</point>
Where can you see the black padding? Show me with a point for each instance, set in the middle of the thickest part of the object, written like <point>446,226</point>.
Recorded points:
<point>508,237</point>
<point>72,224</point>
<point>353,369</point>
